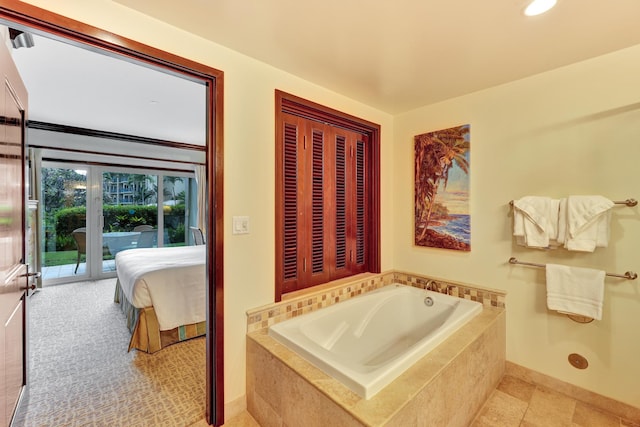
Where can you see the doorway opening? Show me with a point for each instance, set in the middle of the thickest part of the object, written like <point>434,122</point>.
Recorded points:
<point>38,21</point>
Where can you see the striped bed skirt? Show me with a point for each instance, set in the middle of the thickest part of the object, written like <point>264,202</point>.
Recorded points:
<point>145,330</point>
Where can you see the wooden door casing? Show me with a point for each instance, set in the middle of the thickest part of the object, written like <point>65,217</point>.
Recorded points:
<point>24,14</point>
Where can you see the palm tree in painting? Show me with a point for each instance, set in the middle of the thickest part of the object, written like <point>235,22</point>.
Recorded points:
<point>435,154</point>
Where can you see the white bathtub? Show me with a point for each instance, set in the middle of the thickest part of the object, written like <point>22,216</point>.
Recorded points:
<point>367,341</point>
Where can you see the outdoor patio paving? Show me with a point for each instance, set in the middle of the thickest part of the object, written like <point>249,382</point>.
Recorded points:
<point>66,270</point>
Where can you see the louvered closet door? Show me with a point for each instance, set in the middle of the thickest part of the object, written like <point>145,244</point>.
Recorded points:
<point>306,199</point>
<point>317,267</point>
<point>289,210</point>
<point>350,203</point>
<point>322,204</point>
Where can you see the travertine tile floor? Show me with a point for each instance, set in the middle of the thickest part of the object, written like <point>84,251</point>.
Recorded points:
<point>520,404</point>
<point>242,420</point>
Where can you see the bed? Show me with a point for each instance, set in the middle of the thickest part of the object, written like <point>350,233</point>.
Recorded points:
<point>162,293</point>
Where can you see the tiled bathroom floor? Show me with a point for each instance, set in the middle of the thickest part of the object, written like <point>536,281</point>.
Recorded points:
<point>520,404</point>
<point>242,420</point>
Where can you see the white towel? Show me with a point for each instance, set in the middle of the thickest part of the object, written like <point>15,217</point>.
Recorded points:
<point>535,221</point>
<point>562,222</point>
<point>575,290</point>
<point>588,219</point>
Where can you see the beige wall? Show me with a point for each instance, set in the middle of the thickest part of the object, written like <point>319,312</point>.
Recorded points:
<point>571,131</point>
<point>575,130</point>
<point>249,162</point>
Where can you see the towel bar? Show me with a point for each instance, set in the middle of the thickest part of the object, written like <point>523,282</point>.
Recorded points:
<point>630,275</point>
<point>628,202</point>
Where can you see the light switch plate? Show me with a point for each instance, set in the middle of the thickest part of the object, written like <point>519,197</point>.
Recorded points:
<point>240,225</point>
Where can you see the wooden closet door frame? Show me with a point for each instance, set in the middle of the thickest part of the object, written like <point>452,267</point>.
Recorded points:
<point>40,20</point>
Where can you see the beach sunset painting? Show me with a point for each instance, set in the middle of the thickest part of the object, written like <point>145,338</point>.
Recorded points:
<point>442,162</point>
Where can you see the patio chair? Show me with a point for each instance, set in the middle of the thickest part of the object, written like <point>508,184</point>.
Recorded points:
<point>198,237</point>
<point>80,237</point>
<point>147,239</point>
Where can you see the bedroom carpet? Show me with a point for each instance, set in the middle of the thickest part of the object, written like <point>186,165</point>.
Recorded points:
<point>82,375</point>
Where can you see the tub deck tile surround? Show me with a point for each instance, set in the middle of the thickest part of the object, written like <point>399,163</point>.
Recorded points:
<point>450,384</point>
<point>305,301</point>
<point>404,401</point>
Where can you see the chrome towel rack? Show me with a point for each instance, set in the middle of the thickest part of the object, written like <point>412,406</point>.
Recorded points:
<point>630,275</point>
<point>629,202</point>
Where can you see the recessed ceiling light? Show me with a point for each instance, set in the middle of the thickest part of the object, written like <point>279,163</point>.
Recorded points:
<point>537,7</point>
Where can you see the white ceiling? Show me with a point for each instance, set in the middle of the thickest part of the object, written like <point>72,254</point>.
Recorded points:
<point>72,86</point>
<point>397,55</point>
<point>394,55</point>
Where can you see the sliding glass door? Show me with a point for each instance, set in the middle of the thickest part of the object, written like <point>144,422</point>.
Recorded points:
<point>64,226</point>
<point>91,213</point>
<point>129,214</point>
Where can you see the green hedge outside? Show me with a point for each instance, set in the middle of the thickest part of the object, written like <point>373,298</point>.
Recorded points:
<point>117,218</point>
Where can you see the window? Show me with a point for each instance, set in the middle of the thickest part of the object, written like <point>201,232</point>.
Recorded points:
<point>327,195</point>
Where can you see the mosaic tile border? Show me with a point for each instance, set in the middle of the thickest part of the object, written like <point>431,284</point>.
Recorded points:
<point>488,297</point>
<point>263,317</point>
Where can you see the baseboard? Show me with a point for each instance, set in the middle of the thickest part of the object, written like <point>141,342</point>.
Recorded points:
<point>235,407</point>
<point>606,404</point>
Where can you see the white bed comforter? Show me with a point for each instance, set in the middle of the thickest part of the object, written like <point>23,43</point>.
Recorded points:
<point>172,280</point>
